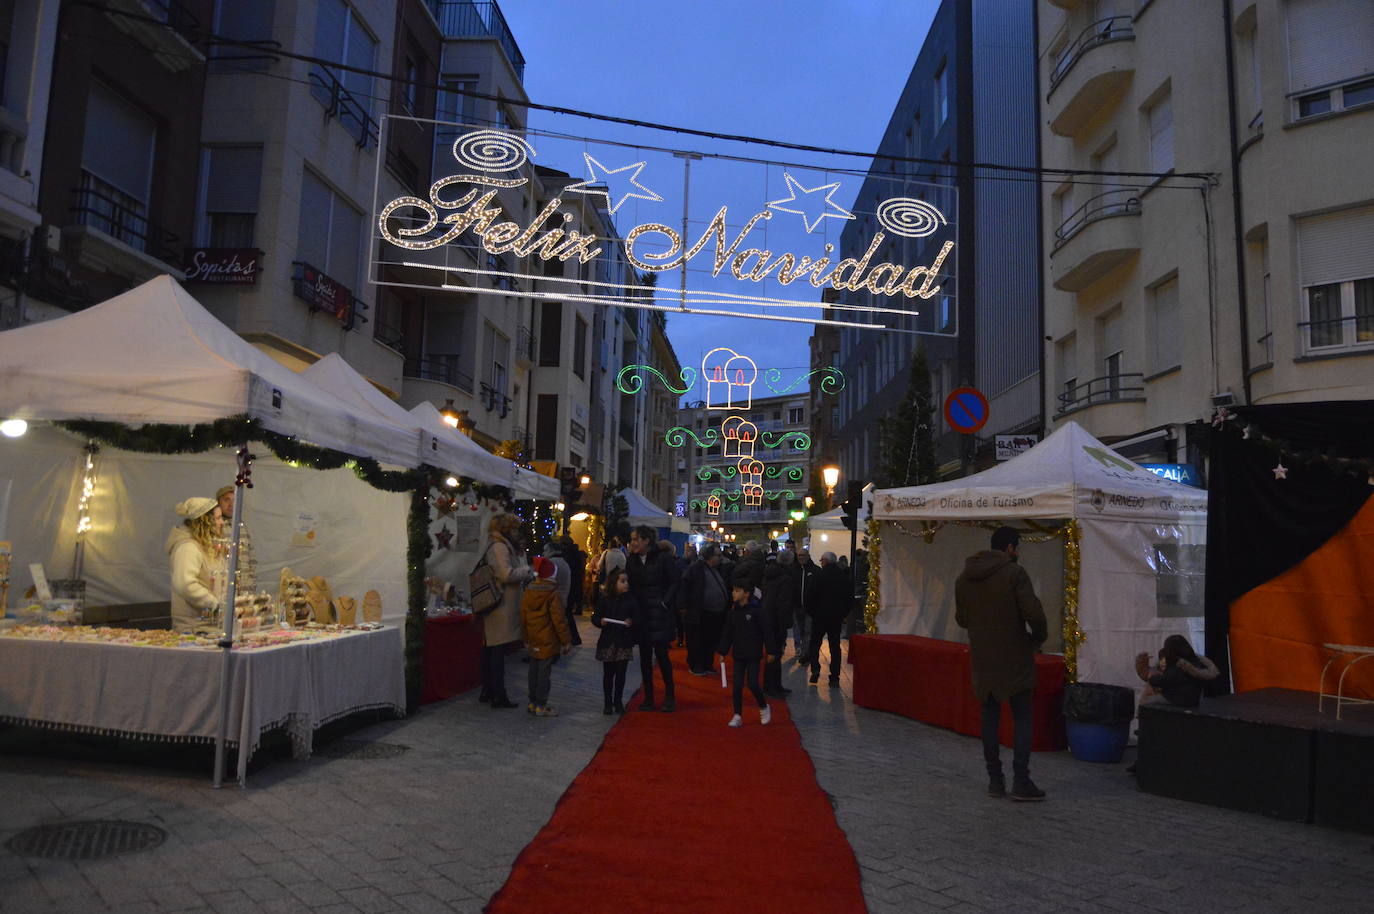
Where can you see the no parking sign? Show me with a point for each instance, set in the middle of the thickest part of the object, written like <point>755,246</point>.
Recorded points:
<point>966,410</point>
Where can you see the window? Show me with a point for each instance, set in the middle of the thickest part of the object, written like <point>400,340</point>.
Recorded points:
<point>232,176</point>
<point>1110,345</point>
<point>1164,323</point>
<point>1264,332</point>
<point>330,236</point>
<point>1180,576</point>
<point>340,36</point>
<point>452,106</point>
<point>777,415</point>
<point>1330,54</point>
<point>498,349</point>
<point>579,347</point>
<point>550,334</point>
<point>116,171</point>
<point>1160,116</point>
<point>1336,275</point>
<point>796,415</point>
<point>242,20</point>
<point>1066,367</point>
<point>410,89</point>
<point>941,108</point>
<point>546,427</point>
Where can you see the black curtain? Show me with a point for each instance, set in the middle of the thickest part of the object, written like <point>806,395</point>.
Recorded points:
<point>1259,526</point>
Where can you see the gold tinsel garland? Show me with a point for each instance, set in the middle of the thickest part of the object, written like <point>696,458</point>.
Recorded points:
<point>872,602</point>
<point>596,542</point>
<point>1073,635</point>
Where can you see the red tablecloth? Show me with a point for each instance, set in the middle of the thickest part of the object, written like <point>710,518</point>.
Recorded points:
<point>453,657</point>
<point>930,681</point>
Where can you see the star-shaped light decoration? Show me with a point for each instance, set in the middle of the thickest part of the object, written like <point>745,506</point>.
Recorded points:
<point>805,201</point>
<point>1280,471</point>
<point>600,185</point>
<point>444,537</point>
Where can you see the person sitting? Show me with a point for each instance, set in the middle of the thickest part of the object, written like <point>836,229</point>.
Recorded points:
<point>1179,675</point>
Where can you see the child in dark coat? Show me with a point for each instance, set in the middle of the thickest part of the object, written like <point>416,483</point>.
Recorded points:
<point>616,646</point>
<point>749,636</point>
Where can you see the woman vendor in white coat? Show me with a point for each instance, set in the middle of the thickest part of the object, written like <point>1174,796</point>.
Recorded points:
<point>197,570</point>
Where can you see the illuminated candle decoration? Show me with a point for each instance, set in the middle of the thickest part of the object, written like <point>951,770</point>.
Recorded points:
<point>597,183</point>
<point>713,506</point>
<point>753,496</point>
<point>750,471</point>
<point>810,203</point>
<point>738,436</point>
<point>729,378</point>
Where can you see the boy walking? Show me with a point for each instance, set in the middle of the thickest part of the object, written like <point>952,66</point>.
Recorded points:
<point>749,636</point>
<point>546,634</point>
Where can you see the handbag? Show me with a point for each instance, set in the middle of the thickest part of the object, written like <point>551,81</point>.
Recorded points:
<point>484,587</point>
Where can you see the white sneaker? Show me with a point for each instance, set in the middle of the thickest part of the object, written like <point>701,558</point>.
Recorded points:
<point>765,715</point>
<point>736,721</point>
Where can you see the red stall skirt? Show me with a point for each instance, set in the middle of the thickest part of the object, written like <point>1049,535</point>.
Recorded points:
<point>453,657</point>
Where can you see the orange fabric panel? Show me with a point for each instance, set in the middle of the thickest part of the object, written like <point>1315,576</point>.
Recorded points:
<point>1278,629</point>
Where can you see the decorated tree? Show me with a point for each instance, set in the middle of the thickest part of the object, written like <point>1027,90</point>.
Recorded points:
<point>908,431</point>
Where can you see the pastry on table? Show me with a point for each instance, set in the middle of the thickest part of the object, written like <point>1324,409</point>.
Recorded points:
<point>372,606</point>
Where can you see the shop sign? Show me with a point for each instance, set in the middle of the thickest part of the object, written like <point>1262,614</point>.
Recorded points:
<point>323,293</point>
<point>1184,473</point>
<point>1009,446</point>
<point>679,509</point>
<point>222,266</point>
<point>966,410</point>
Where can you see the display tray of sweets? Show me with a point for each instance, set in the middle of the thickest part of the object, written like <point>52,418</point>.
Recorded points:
<point>105,635</point>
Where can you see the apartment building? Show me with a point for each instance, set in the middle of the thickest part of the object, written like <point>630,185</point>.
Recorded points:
<point>970,98</point>
<point>756,444</point>
<point>1166,296</point>
<point>824,346</point>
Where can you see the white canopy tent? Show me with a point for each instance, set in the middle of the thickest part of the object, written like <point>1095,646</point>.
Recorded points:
<point>1141,546</point>
<point>643,511</point>
<point>522,482</point>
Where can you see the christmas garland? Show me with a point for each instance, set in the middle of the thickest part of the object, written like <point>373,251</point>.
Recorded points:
<point>873,602</point>
<point>236,430</point>
<point>1226,420</point>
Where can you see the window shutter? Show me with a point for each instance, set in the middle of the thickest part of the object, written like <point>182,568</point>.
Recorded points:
<point>312,243</point>
<point>1336,247</point>
<point>1329,41</point>
<point>345,244</point>
<point>235,175</point>
<point>1166,325</point>
<point>1162,135</point>
<point>119,142</point>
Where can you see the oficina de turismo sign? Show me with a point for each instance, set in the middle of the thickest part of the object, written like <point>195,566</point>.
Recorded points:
<point>470,209</point>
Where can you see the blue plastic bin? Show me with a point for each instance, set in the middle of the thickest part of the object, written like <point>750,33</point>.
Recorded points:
<point>1097,742</point>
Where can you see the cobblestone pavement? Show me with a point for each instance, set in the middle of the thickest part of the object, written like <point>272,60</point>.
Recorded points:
<point>438,827</point>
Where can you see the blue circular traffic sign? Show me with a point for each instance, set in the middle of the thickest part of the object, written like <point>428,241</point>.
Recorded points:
<point>966,410</point>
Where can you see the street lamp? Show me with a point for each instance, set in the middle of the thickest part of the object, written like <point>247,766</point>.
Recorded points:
<point>808,501</point>
<point>714,524</point>
<point>830,475</point>
<point>450,414</point>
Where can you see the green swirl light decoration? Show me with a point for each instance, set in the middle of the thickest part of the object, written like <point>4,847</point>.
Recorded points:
<point>630,379</point>
<point>677,437</point>
<point>832,380</point>
<point>803,439</point>
<point>727,496</point>
<point>794,474</point>
<point>780,493</point>
<point>705,473</point>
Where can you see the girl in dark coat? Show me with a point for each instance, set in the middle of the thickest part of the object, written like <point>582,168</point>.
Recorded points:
<point>615,648</point>
<point>749,635</point>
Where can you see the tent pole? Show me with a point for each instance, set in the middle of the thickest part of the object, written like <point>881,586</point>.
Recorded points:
<point>226,642</point>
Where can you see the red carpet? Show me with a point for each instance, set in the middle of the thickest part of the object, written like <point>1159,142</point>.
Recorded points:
<point>678,812</point>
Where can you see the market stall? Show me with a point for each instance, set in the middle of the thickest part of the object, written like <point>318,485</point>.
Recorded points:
<point>1116,553</point>
<point>151,378</point>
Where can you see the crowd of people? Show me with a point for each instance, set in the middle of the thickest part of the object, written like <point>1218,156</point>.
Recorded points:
<point>646,599</point>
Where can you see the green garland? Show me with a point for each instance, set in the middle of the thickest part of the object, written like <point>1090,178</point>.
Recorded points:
<point>236,430</point>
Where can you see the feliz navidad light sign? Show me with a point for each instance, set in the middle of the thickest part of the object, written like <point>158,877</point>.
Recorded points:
<point>476,209</point>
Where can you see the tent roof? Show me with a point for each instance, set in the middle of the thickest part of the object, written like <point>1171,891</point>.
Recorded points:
<point>828,520</point>
<point>1069,474</point>
<point>643,511</point>
<point>476,462</point>
<point>155,355</point>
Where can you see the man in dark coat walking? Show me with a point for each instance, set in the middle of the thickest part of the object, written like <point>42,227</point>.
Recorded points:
<point>806,573</point>
<point>779,604</point>
<point>653,579</point>
<point>706,598</point>
<point>827,602</point>
<point>995,601</point>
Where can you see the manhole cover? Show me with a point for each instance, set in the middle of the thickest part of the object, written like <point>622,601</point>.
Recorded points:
<point>362,749</point>
<point>86,840</point>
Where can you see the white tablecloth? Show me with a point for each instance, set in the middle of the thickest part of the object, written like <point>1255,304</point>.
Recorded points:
<point>173,693</point>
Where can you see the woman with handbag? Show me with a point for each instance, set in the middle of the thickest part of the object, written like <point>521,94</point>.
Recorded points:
<point>501,625</point>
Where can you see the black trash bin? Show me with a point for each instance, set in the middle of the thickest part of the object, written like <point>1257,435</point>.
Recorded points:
<point>1097,720</point>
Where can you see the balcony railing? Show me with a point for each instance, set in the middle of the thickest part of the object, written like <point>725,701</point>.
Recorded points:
<point>339,102</point>
<point>524,344</point>
<point>478,19</point>
<point>495,401</point>
<point>439,367</point>
<point>388,335</point>
<point>1120,202</point>
<point>104,207</point>
<point>1105,389</point>
<point>1103,31</point>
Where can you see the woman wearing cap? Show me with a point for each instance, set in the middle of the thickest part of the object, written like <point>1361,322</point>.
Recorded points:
<point>196,565</point>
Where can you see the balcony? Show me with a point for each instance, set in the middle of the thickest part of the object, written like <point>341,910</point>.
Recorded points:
<point>159,25</point>
<point>113,232</point>
<point>1089,72</point>
<point>441,367</point>
<point>388,335</point>
<point>1109,406</point>
<point>524,347</point>
<point>353,113</point>
<point>1095,239</point>
<point>478,19</point>
<point>495,401</point>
